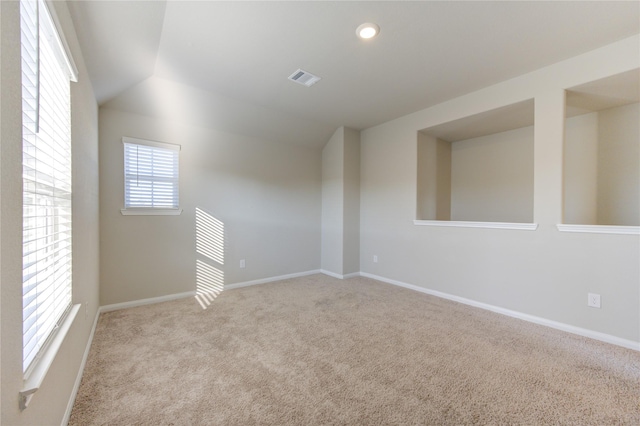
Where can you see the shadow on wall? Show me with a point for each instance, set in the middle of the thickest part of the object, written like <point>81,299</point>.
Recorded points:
<point>210,249</point>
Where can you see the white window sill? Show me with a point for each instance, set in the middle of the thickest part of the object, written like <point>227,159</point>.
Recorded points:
<point>600,229</point>
<point>150,212</point>
<point>38,371</point>
<point>488,225</point>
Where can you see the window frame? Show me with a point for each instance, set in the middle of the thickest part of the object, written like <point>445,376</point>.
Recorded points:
<point>151,211</point>
<point>47,188</point>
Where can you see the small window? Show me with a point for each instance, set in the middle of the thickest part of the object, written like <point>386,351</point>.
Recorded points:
<point>150,177</point>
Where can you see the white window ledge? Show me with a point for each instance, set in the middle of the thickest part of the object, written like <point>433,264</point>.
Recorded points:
<point>38,371</point>
<point>150,212</point>
<point>600,229</point>
<point>489,225</point>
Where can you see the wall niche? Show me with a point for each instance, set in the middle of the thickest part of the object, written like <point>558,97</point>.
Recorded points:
<point>601,175</point>
<point>478,168</point>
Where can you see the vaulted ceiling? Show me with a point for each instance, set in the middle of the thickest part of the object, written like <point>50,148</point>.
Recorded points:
<point>225,63</point>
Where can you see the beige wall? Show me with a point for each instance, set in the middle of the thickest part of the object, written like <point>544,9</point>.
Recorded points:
<point>581,169</point>
<point>434,178</point>
<point>483,179</point>
<point>50,402</point>
<point>443,179</point>
<point>351,201</point>
<point>545,273</point>
<point>492,177</point>
<point>340,252</point>
<point>333,203</point>
<point>267,195</point>
<point>602,167</point>
<point>619,166</point>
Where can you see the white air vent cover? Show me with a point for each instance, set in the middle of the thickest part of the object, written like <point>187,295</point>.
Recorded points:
<point>304,78</point>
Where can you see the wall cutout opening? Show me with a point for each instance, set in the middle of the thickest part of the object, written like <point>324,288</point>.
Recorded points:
<point>210,250</point>
<point>602,152</point>
<point>478,168</point>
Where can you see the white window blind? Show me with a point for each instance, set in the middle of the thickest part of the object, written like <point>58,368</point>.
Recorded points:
<point>46,165</point>
<point>150,174</point>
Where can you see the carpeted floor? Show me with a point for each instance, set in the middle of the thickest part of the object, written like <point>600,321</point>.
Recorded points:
<point>317,350</point>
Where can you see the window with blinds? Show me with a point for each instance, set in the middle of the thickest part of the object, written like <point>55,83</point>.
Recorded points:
<point>150,175</point>
<point>46,164</point>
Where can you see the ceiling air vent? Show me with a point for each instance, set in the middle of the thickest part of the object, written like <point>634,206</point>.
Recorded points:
<point>304,78</point>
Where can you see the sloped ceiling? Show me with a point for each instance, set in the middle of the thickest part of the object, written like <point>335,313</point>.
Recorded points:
<point>119,41</point>
<point>228,62</point>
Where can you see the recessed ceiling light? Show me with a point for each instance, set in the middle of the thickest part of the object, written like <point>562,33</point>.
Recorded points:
<point>367,30</point>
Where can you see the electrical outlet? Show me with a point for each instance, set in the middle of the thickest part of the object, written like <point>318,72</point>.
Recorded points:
<point>242,263</point>
<point>593,300</point>
<point>375,258</point>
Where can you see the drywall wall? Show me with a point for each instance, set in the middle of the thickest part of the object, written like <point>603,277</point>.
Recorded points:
<point>266,195</point>
<point>434,178</point>
<point>341,203</point>
<point>482,179</point>
<point>443,179</point>
<point>602,167</point>
<point>333,203</point>
<point>492,177</point>
<point>426,187</point>
<point>50,402</point>
<point>619,166</point>
<point>351,214</point>
<point>581,169</point>
<point>545,273</point>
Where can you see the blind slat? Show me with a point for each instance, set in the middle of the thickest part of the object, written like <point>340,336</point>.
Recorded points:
<point>150,176</point>
<point>47,191</point>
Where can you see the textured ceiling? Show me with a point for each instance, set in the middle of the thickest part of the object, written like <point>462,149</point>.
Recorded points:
<point>216,53</point>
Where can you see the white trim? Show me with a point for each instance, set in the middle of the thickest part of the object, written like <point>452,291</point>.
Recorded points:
<point>62,41</point>
<point>164,145</point>
<point>149,301</point>
<point>169,297</point>
<point>76,386</point>
<point>338,276</point>
<point>630,344</point>
<point>488,225</point>
<point>599,229</point>
<point>271,279</point>
<point>332,274</point>
<point>138,211</point>
<point>37,374</point>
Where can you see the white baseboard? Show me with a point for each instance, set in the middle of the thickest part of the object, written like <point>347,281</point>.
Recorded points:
<point>331,274</point>
<point>338,276</point>
<point>271,279</point>
<point>603,337</point>
<point>169,297</point>
<point>353,275</point>
<point>142,302</point>
<point>76,385</point>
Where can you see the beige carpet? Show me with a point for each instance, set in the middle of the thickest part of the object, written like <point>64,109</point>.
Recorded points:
<point>317,350</point>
